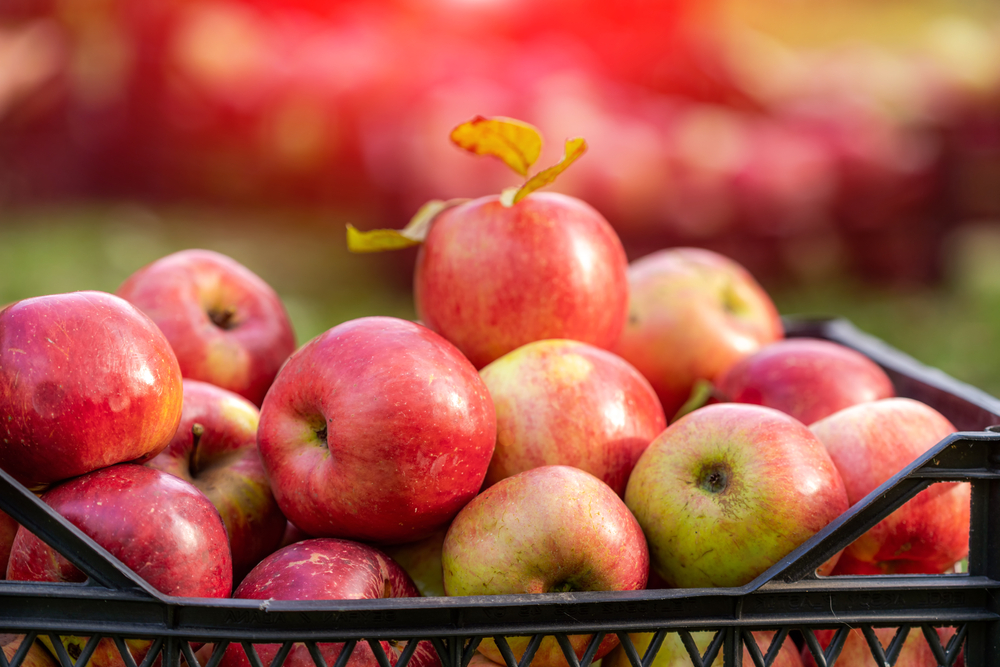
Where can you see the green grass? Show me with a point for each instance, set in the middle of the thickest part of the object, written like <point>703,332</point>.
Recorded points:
<point>303,256</point>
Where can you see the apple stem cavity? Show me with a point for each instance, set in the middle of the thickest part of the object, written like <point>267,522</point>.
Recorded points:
<point>224,318</point>
<point>715,478</point>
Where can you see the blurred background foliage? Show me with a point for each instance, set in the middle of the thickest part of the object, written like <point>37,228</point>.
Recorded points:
<point>846,151</point>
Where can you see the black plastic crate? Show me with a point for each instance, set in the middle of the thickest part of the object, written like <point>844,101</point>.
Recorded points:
<point>114,602</point>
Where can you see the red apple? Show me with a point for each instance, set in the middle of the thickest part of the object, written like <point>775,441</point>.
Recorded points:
<point>562,402</point>
<point>226,325</point>
<point>162,527</point>
<point>548,529</point>
<point>86,381</point>
<point>377,430</point>
<point>328,569</point>
<point>692,314</point>
<point>856,652</point>
<point>37,655</point>
<point>215,448</point>
<point>728,490</point>
<point>673,653</point>
<point>491,278</point>
<point>871,442</point>
<point>8,530</point>
<point>806,378</point>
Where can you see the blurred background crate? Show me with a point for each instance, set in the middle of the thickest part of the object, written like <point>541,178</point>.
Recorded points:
<point>847,152</point>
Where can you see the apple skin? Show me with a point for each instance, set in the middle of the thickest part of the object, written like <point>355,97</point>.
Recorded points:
<point>870,443</point>
<point>37,656</point>
<point>807,378</point>
<point>856,652</point>
<point>693,313</point>
<point>8,530</point>
<point>548,529</point>
<point>728,490</point>
<point>226,325</point>
<point>563,402</point>
<point>673,653</point>
<point>377,430</point>
<point>86,381</point>
<point>223,463</point>
<point>491,278</point>
<point>422,561</point>
<point>162,527</point>
<point>328,569</point>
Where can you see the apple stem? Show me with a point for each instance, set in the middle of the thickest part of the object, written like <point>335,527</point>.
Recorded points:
<point>197,430</point>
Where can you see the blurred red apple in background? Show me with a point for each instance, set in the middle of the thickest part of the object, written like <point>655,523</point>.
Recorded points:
<point>226,325</point>
<point>491,278</point>
<point>328,569</point>
<point>871,442</point>
<point>692,314</point>
<point>215,448</point>
<point>728,490</point>
<point>806,378</point>
<point>376,430</point>
<point>86,381</point>
<point>548,529</point>
<point>563,402</point>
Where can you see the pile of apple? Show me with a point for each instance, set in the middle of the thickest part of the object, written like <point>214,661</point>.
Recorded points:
<point>513,441</point>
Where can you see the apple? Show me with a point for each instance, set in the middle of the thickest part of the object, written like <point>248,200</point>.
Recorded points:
<point>160,526</point>
<point>673,653</point>
<point>215,448</point>
<point>807,378</point>
<point>491,278</point>
<point>328,569</point>
<point>856,652</point>
<point>563,402</point>
<point>871,442</point>
<point>550,529</point>
<point>377,430</point>
<point>728,490</point>
<point>8,530</point>
<point>226,325</point>
<point>37,655</point>
<point>86,381</point>
<point>422,561</point>
<point>693,313</point>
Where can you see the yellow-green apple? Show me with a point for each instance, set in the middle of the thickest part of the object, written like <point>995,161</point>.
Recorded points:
<point>377,430</point>
<point>728,490</point>
<point>871,442</point>
<point>86,381</point>
<point>328,569</point>
<point>673,653</point>
<point>37,655</point>
<point>422,561</point>
<point>215,448</point>
<point>693,313</point>
<point>563,402</point>
<point>227,326</point>
<point>807,378</point>
<point>549,529</point>
<point>856,652</point>
<point>162,527</point>
<point>491,278</point>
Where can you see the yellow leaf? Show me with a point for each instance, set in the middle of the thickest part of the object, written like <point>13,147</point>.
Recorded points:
<point>574,149</point>
<point>413,234</point>
<point>515,142</point>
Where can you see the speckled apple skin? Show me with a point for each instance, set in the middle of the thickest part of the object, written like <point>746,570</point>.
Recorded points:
<point>563,402</point>
<point>491,278</point>
<point>554,528</point>
<point>870,443</point>
<point>328,569</point>
<point>806,378</point>
<point>224,464</point>
<point>86,381</point>
<point>673,653</point>
<point>179,290</point>
<point>783,489</point>
<point>692,314</point>
<point>409,432</point>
